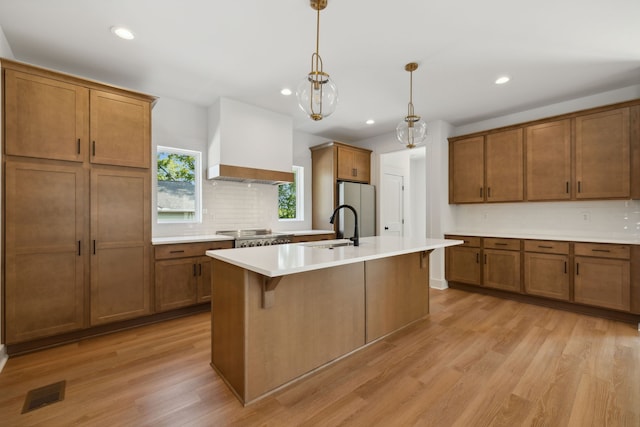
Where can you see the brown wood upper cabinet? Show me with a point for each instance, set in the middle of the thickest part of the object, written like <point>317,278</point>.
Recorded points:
<point>353,164</point>
<point>487,168</point>
<point>61,119</point>
<point>591,154</point>
<point>548,155</point>
<point>603,155</point>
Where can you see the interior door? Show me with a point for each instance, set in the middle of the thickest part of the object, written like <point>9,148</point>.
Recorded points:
<point>391,208</point>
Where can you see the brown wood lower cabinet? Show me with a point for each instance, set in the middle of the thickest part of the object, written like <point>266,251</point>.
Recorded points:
<point>183,273</point>
<point>45,250</point>
<point>547,275</point>
<point>547,269</point>
<point>595,278</point>
<point>463,261</point>
<point>602,282</point>
<point>502,270</point>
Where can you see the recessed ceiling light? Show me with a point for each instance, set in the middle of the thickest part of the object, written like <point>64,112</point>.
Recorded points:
<point>123,33</point>
<point>502,80</point>
<point>370,121</point>
<point>286,91</point>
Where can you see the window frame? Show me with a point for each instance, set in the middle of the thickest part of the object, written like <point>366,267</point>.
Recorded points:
<point>298,177</point>
<point>197,165</point>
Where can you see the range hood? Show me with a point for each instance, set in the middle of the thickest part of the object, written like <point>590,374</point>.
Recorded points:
<point>249,144</point>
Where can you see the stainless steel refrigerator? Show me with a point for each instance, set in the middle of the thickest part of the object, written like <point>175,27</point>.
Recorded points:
<point>363,198</point>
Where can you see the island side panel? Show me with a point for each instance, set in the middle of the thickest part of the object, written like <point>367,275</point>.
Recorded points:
<point>316,317</point>
<point>397,293</point>
<point>228,295</point>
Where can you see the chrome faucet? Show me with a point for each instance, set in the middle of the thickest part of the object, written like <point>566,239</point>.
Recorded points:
<point>355,239</point>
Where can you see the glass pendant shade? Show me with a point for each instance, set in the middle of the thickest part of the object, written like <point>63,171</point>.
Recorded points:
<point>411,132</point>
<point>317,95</point>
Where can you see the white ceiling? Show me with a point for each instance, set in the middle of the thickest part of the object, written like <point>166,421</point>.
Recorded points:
<point>199,50</point>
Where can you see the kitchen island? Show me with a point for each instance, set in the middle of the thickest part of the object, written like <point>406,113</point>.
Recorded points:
<point>281,312</point>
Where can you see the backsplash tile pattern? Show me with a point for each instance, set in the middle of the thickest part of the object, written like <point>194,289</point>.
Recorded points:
<point>233,205</point>
<point>229,206</point>
<point>607,218</point>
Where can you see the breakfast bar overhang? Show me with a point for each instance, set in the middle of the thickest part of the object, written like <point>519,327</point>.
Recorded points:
<point>282,312</point>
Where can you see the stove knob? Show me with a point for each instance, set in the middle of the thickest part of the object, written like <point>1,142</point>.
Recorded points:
<point>266,243</point>
<point>258,243</point>
<point>251,244</point>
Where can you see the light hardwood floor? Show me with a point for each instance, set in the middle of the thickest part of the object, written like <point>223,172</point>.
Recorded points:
<point>474,361</point>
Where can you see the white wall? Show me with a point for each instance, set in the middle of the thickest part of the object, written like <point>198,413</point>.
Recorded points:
<point>5,52</point>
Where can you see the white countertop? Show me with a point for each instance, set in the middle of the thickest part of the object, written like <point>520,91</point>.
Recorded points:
<point>189,239</point>
<point>280,260</point>
<point>559,237</point>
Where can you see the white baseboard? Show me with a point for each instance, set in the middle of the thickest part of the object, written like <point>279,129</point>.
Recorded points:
<point>3,356</point>
<point>438,284</point>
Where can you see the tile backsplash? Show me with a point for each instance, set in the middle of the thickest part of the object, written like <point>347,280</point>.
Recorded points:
<point>229,206</point>
<point>611,218</point>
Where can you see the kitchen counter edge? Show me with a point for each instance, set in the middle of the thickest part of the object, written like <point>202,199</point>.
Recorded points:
<point>280,260</point>
<point>556,237</point>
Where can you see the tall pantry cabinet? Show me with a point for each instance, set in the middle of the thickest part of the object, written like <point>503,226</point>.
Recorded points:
<point>76,203</point>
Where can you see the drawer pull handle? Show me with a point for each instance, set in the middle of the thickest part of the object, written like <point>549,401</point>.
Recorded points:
<point>600,250</point>
<point>502,244</point>
<point>176,252</point>
<point>565,267</point>
<point>545,247</point>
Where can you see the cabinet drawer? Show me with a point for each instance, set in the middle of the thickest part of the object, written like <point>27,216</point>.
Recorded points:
<point>507,244</point>
<point>602,250</point>
<point>470,242</point>
<point>546,246</point>
<point>181,250</point>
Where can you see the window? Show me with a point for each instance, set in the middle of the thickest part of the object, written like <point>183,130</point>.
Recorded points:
<point>179,185</point>
<point>291,197</point>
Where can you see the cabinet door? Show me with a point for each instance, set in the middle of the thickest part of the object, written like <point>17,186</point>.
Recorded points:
<point>505,166</point>
<point>120,233</point>
<point>466,175</point>
<point>176,283</point>
<point>463,265</point>
<point>548,157</point>
<point>602,155</point>
<point>204,279</point>
<point>546,275</point>
<point>120,130</point>
<point>502,270</point>
<point>603,282</point>
<point>45,118</point>
<point>353,164</point>
<point>44,249</point>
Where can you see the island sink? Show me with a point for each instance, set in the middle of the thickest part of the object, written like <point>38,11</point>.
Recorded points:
<point>329,244</point>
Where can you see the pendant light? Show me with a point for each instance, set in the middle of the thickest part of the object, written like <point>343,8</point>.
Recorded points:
<point>317,94</point>
<point>412,130</point>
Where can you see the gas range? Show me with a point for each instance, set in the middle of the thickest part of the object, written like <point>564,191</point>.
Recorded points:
<point>256,237</point>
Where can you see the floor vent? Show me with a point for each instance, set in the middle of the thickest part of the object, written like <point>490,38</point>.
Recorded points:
<point>43,396</point>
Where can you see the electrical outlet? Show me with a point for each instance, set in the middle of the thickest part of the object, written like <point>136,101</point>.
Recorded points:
<point>485,216</point>
<point>586,216</point>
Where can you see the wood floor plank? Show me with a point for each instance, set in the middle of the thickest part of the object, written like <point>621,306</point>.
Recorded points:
<point>475,360</point>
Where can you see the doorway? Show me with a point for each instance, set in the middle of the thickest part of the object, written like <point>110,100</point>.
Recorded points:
<point>392,206</point>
